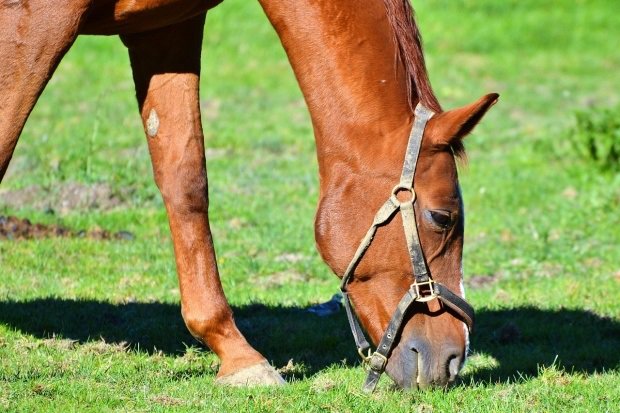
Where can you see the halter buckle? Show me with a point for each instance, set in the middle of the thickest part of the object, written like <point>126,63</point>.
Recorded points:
<point>422,294</point>
<point>377,362</point>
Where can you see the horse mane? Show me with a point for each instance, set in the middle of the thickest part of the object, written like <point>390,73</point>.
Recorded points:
<point>410,53</point>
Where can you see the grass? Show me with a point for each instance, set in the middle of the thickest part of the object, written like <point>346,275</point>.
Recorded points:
<point>95,325</point>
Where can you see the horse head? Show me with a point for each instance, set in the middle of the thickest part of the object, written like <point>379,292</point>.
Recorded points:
<point>430,338</point>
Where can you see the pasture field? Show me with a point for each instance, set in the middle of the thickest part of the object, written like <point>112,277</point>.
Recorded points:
<point>95,325</point>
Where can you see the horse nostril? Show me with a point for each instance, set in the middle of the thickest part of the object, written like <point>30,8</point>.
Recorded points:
<point>419,346</point>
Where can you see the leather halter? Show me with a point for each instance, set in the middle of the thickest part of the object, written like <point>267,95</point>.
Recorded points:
<point>423,288</point>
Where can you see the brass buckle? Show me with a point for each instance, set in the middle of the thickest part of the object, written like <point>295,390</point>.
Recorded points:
<point>373,361</point>
<point>377,365</point>
<point>422,295</point>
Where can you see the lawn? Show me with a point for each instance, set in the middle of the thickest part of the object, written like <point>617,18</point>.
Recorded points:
<point>95,325</point>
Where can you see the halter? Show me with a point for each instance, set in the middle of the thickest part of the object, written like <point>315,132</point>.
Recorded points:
<point>423,288</point>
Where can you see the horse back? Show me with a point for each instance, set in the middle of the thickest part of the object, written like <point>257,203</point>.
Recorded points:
<point>109,17</point>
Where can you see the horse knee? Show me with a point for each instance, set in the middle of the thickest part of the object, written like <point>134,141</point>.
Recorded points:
<point>198,327</point>
<point>184,193</point>
<point>201,325</point>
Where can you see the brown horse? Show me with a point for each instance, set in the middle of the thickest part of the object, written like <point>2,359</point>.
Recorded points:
<point>362,72</point>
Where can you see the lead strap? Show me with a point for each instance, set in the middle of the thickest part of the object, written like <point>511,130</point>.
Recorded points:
<point>383,215</point>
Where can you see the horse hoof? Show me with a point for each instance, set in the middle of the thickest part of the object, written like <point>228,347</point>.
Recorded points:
<point>261,374</point>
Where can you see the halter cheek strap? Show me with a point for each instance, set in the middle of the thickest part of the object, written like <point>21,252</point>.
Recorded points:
<point>423,288</point>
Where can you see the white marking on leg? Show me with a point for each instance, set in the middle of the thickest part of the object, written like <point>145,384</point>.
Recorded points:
<point>152,124</point>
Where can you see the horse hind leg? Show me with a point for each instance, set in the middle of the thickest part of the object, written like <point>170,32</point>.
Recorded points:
<point>166,67</point>
<point>34,35</point>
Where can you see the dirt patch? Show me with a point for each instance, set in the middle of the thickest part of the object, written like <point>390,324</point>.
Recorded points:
<point>322,384</point>
<point>291,257</point>
<point>549,270</point>
<point>481,281</point>
<point>279,279</point>
<point>14,228</point>
<point>570,193</point>
<point>216,153</point>
<point>101,347</point>
<point>65,197</point>
<point>237,223</point>
<point>167,400</point>
<point>59,343</point>
<point>210,108</point>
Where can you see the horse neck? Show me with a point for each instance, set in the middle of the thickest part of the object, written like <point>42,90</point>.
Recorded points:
<point>344,58</point>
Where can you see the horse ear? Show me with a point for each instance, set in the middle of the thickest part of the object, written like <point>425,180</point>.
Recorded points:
<point>458,123</point>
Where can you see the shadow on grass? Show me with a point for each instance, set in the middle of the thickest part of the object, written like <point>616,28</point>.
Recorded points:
<point>523,339</point>
<point>279,333</point>
<point>520,339</point>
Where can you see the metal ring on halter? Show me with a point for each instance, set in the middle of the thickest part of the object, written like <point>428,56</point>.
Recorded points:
<point>402,188</point>
<point>365,357</point>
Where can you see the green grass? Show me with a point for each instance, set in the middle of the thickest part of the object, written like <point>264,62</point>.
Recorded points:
<point>95,326</point>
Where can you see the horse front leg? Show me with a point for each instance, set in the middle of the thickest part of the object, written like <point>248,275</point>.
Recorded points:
<point>34,35</point>
<point>166,67</point>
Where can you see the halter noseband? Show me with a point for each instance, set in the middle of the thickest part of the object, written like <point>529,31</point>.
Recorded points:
<point>423,288</point>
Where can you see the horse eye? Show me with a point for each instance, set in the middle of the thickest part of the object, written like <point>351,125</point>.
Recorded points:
<point>441,218</point>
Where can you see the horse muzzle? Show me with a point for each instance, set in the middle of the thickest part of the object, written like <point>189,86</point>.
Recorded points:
<point>415,364</point>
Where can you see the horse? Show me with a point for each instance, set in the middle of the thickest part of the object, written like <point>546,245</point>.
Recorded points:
<point>361,70</point>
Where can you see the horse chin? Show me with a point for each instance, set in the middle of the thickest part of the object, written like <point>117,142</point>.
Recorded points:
<point>402,368</point>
